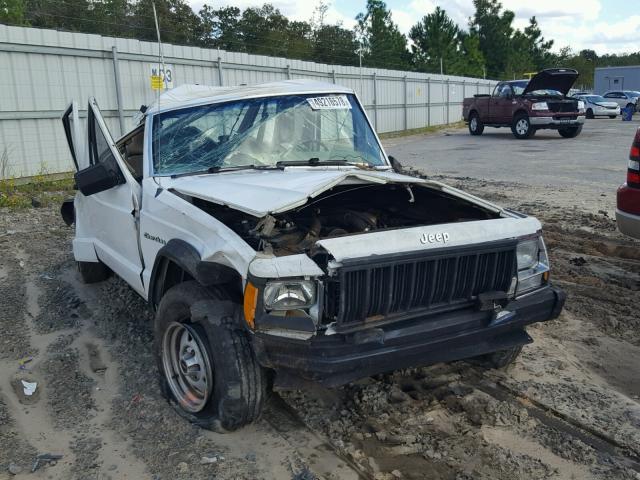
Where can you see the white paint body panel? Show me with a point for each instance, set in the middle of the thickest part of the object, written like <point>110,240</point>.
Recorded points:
<point>168,216</point>
<point>282,267</point>
<point>108,220</point>
<point>259,193</point>
<point>191,95</point>
<point>409,239</point>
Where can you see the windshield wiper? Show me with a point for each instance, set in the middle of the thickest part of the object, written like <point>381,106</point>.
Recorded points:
<point>228,169</point>
<point>316,162</point>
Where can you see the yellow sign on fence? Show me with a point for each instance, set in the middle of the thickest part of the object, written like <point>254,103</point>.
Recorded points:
<point>157,82</point>
<point>161,76</point>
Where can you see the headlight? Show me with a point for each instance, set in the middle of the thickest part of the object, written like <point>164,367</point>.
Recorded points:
<point>527,254</point>
<point>533,265</point>
<point>580,105</point>
<point>540,106</point>
<point>289,295</point>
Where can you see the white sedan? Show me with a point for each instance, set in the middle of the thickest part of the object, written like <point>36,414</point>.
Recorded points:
<point>598,106</point>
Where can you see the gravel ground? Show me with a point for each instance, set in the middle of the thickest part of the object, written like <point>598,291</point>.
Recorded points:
<point>568,409</point>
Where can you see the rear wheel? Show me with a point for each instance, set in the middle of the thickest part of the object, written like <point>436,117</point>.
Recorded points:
<point>521,127</point>
<point>93,272</point>
<point>612,116</point>
<point>570,132</point>
<point>476,127</point>
<point>207,368</point>
<point>589,113</point>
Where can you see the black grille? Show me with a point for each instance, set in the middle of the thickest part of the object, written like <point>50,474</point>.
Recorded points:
<point>567,106</point>
<point>368,292</point>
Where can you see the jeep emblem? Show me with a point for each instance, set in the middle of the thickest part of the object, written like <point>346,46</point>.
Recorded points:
<point>440,237</point>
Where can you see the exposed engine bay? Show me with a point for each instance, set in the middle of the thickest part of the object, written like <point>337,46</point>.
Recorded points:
<point>346,210</point>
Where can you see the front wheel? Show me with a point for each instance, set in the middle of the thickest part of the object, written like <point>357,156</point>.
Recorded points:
<point>521,127</point>
<point>476,127</point>
<point>570,132</point>
<point>207,367</point>
<point>500,359</point>
<point>590,113</point>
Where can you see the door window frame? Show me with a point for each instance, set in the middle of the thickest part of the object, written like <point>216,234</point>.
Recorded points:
<point>71,113</point>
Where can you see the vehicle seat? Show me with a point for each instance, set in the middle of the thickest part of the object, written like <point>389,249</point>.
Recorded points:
<point>134,150</point>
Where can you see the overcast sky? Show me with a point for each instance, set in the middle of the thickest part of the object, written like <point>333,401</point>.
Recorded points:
<point>606,26</point>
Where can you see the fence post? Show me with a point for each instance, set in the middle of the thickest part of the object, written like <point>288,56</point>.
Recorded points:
<point>464,89</point>
<point>406,105</point>
<point>428,102</point>
<point>288,72</point>
<point>116,74</point>
<point>447,102</point>
<point>220,77</point>
<point>375,101</point>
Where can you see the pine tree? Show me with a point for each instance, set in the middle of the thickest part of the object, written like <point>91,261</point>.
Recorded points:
<point>383,45</point>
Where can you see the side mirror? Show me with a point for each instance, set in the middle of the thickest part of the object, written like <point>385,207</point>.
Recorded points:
<point>395,164</point>
<point>96,178</point>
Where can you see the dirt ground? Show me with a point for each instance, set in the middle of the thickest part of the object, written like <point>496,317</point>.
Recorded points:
<point>568,409</point>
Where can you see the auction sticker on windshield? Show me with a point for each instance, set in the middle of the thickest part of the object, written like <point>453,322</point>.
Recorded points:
<point>338,102</point>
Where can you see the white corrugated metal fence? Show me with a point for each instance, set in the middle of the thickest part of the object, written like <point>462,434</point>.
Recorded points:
<point>43,70</point>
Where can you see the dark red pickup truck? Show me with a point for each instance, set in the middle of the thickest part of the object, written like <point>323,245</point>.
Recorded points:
<point>529,105</point>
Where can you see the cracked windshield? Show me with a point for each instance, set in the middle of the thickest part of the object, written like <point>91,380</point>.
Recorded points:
<point>261,132</point>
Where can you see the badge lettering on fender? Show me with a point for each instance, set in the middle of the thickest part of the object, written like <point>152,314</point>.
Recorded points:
<point>154,238</point>
<point>440,237</point>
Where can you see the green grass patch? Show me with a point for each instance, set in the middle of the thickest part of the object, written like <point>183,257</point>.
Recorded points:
<point>41,190</point>
<point>420,131</point>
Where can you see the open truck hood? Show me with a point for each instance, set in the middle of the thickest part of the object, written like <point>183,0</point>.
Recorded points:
<point>560,79</point>
<point>259,193</point>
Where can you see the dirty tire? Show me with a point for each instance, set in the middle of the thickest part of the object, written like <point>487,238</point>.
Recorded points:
<point>570,132</point>
<point>499,359</point>
<point>521,127</point>
<point>93,272</point>
<point>476,127</point>
<point>590,113</point>
<point>238,388</point>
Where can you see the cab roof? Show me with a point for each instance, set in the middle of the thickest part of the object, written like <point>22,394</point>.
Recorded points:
<point>191,95</point>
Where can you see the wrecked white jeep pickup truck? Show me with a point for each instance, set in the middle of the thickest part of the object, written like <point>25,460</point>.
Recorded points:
<point>279,246</point>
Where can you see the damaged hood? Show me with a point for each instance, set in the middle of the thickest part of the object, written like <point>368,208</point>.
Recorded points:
<point>259,193</point>
<point>560,79</point>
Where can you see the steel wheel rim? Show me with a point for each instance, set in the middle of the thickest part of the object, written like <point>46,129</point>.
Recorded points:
<point>522,126</point>
<point>474,123</point>
<point>187,366</point>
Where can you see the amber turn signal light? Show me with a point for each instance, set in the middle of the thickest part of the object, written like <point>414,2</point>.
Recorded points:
<point>250,302</point>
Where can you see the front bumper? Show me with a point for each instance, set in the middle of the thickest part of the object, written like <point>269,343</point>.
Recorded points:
<point>602,111</point>
<point>334,360</point>
<point>557,121</point>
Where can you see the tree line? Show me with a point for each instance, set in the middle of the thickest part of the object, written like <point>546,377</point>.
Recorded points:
<point>489,46</point>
